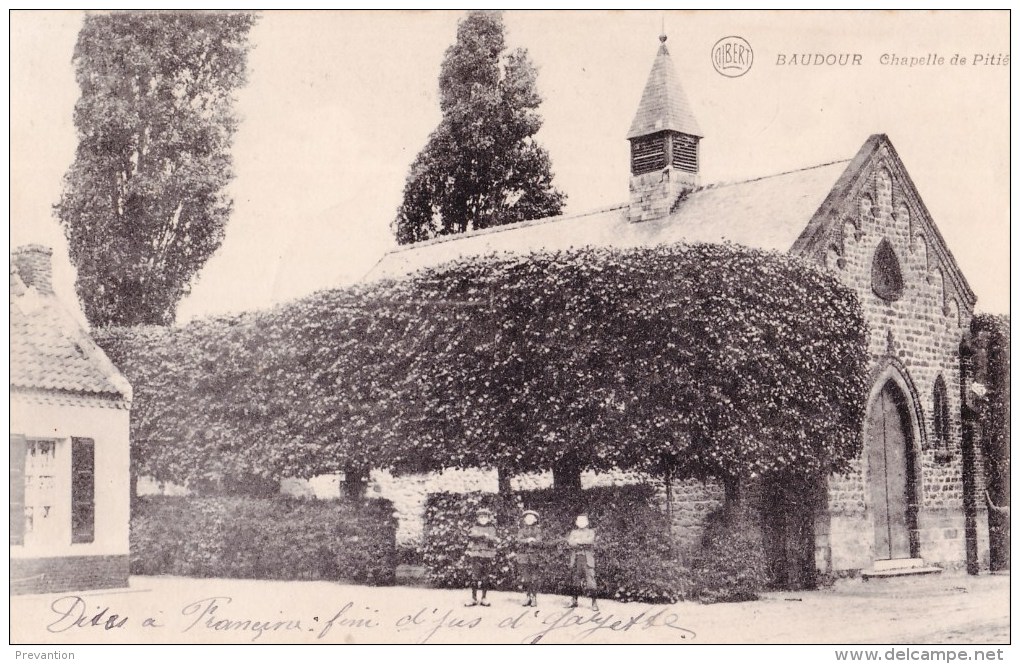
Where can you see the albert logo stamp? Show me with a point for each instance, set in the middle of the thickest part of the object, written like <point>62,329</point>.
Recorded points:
<point>732,56</point>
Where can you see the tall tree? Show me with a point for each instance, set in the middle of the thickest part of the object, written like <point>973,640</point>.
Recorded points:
<point>144,206</point>
<point>482,166</point>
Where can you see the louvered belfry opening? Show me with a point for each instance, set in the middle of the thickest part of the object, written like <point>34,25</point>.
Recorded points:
<point>664,143</point>
<point>648,153</point>
<point>685,153</point>
<point>666,148</point>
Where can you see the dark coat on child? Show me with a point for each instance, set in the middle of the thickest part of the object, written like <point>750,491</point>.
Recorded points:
<point>481,552</point>
<point>582,558</point>
<point>529,544</point>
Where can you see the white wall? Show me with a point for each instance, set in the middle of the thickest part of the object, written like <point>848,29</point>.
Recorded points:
<point>110,429</point>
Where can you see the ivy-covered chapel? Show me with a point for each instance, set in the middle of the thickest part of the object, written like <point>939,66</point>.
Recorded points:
<point>910,503</point>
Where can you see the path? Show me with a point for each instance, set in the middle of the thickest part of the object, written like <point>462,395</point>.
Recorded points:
<point>951,608</point>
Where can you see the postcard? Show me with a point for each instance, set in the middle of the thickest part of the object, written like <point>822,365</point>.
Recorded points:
<point>519,327</point>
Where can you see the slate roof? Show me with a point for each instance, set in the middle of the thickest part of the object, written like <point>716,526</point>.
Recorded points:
<point>767,213</point>
<point>50,350</point>
<point>664,105</point>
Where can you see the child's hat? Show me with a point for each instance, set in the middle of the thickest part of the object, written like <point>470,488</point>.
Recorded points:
<point>484,510</point>
<point>531,512</point>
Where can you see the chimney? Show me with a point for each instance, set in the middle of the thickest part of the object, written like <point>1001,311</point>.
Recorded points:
<point>33,263</point>
<point>664,143</point>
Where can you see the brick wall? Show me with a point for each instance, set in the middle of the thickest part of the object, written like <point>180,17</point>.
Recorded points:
<point>66,573</point>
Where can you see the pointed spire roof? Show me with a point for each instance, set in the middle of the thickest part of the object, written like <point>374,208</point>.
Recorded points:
<point>663,103</point>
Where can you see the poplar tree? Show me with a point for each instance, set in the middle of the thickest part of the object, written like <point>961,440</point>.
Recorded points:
<point>144,204</point>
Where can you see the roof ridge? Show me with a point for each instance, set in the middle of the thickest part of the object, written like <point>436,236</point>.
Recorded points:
<point>504,227</point>
<point>730,183</point>
<point>599,210</point>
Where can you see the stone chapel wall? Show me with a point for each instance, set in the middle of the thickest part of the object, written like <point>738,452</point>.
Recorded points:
<point>920,334</point>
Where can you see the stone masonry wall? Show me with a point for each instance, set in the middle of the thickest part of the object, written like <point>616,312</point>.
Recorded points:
<point>693,501</point>
<point>919,335</point>
<point>652,195</point>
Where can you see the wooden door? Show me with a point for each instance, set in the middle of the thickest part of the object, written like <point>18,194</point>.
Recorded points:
<point>890,466</point>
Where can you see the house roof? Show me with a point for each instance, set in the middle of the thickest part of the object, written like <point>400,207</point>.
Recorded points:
<point>768,213</point>
<point>51,351</point>
<point>664,105</point>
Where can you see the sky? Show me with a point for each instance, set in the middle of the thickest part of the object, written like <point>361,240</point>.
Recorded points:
<point>339,103</point>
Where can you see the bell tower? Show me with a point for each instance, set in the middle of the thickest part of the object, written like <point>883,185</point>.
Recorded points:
<point>664,138</point>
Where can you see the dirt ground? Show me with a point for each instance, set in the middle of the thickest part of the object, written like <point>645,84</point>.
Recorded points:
<point>944,609</point>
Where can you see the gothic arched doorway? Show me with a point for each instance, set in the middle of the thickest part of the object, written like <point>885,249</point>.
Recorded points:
<point>892,473</point>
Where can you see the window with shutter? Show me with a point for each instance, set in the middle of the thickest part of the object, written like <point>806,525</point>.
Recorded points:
<point>83,490</point>
<point>17,479</point>
<point>42,527</point>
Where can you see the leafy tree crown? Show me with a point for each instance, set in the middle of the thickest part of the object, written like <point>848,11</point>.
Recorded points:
<point>143,205</point>
<point>482,166</point>
<point>713,360</point>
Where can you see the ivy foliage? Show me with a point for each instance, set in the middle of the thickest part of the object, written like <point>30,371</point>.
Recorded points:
<point>992,362</point>
<point>715,359</point>
<point>992,366</point>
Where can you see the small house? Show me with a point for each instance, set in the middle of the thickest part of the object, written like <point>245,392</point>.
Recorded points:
<point>70,444</point>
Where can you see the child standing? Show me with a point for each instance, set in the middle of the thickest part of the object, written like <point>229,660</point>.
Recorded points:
<point>581,541</point>
<point>529,540</point>
<point>481,553</point>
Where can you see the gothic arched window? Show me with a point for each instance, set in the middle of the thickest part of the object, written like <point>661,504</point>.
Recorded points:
<point>940,417</point>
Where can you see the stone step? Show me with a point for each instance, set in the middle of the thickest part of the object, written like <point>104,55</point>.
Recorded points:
<point>897,563</point>
<point>899,572</point>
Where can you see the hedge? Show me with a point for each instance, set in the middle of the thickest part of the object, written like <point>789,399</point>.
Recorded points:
<point>730,566</point>
<point>697,353</point>
<point>721,360</point>
<point>264,538</point>
<point>636,558</point>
